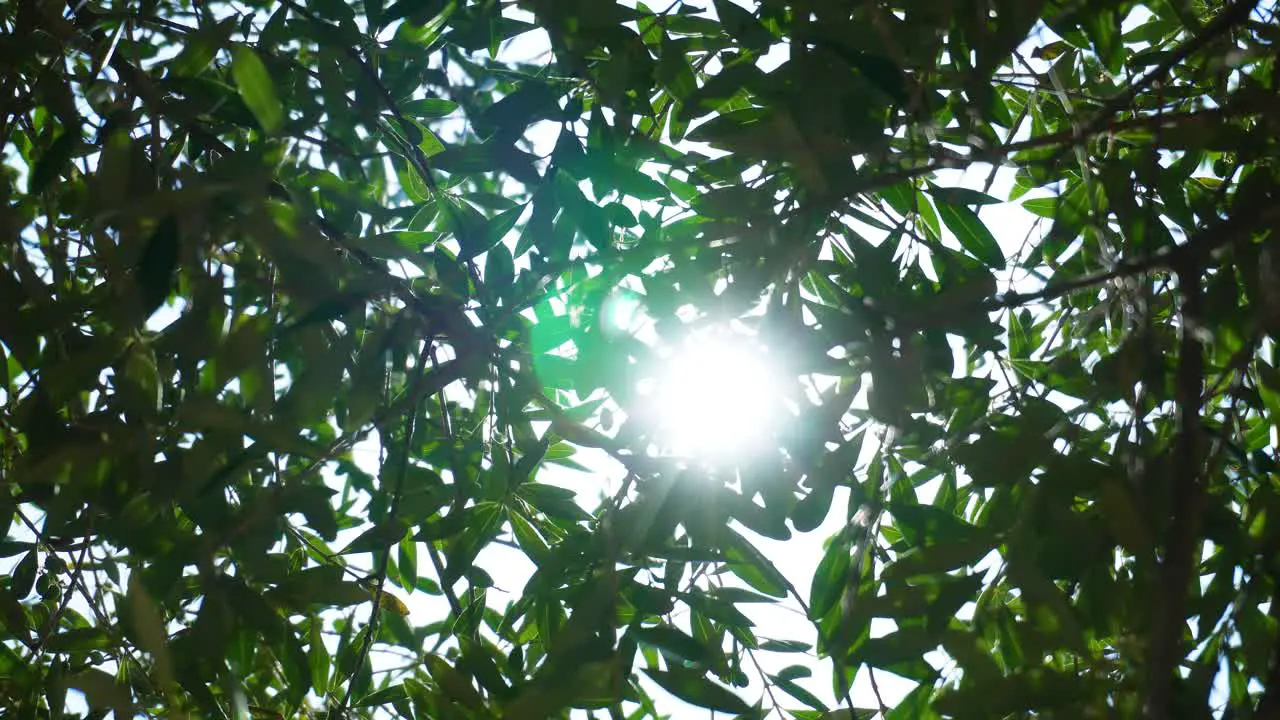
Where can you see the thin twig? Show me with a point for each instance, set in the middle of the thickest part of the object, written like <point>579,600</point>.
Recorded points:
<point>875,689</point>
<point>393,509</point>
<point>1197,249</point>
<point>56,616</point>
<point>1227,19</point>
<point>436,562</point>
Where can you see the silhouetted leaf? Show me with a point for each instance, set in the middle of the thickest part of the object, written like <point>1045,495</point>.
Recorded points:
<point>53,161</point>
<point>696,689</point>
<point>382,697</point>
<point>743,25</point>
<point>102,692</point>
<point>157,264</point>
<point>378,538</point>
<point>673,641</point>
<point>23,576</point>
<point>498,268</point>
<point>791,688</point>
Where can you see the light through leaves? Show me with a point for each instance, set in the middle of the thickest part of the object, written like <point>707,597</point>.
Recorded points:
<point>716,398</point>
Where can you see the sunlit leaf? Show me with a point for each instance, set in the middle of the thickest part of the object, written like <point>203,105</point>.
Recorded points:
<point>972,233</point>
<point>256,88</point>
<point>428,107</point>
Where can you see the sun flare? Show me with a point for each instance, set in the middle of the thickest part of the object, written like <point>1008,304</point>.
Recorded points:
<point>716,399</point>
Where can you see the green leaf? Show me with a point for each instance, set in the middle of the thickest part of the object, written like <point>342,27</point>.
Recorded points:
<point>102,692</point>
<point>743,26</point>
<point>490,234</point>
<point>148,625</point>
<point>407,563</point>
<point>812,510</point>
<point>916,705</point>
<point>384,696</point>
<point>1044,207</point>
<point>972,234</point>
<point>829,578</point>
<point>882,72</point>
<point>937,557</point>
<point>843,714</point>
<point>1103,30</point>
<point>13,615</point>
<point>296,666</point>
<point>53,161</point>
<point>455,685</point>
<point>718,90</point>
<point>156,266</point>
<point>931,525</point>
<point>753,567</point>
<point>429,144</point>
<point>378,537</point>
<point>373,10</point>
<point>696,689</point>
<point>738,595</point>
<point>961,196</point>
<point>797,692</point>
<point>318,657</point>
<point>79,640</point>
<point>399,244</point>
<point>23,576</point>
<point>1014,695</point>
<point>256,89</point>
<point>410,131</point>
<point>201,47</point>
<point>785,646</point>
<point>499,269</point>
<point>428,107</point>
<point>675,642</point>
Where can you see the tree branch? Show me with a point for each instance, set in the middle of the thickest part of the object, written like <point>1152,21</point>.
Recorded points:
<point>1235,14</point>
<point>1165,647</point>
<point>1070,138</point>
<point>1195,251</point>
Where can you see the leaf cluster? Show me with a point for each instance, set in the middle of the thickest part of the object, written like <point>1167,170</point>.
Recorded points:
<point>304,319</point>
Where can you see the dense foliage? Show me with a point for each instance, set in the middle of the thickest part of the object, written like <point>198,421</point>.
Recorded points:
<point>242,238</point>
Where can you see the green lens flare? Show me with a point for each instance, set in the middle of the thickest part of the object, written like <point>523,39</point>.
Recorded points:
<point>621,313</point>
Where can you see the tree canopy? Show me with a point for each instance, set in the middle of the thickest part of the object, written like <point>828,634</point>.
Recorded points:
<point>307,309</point>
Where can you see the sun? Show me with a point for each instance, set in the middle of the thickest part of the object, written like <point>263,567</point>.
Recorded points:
<point>716,398</point>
